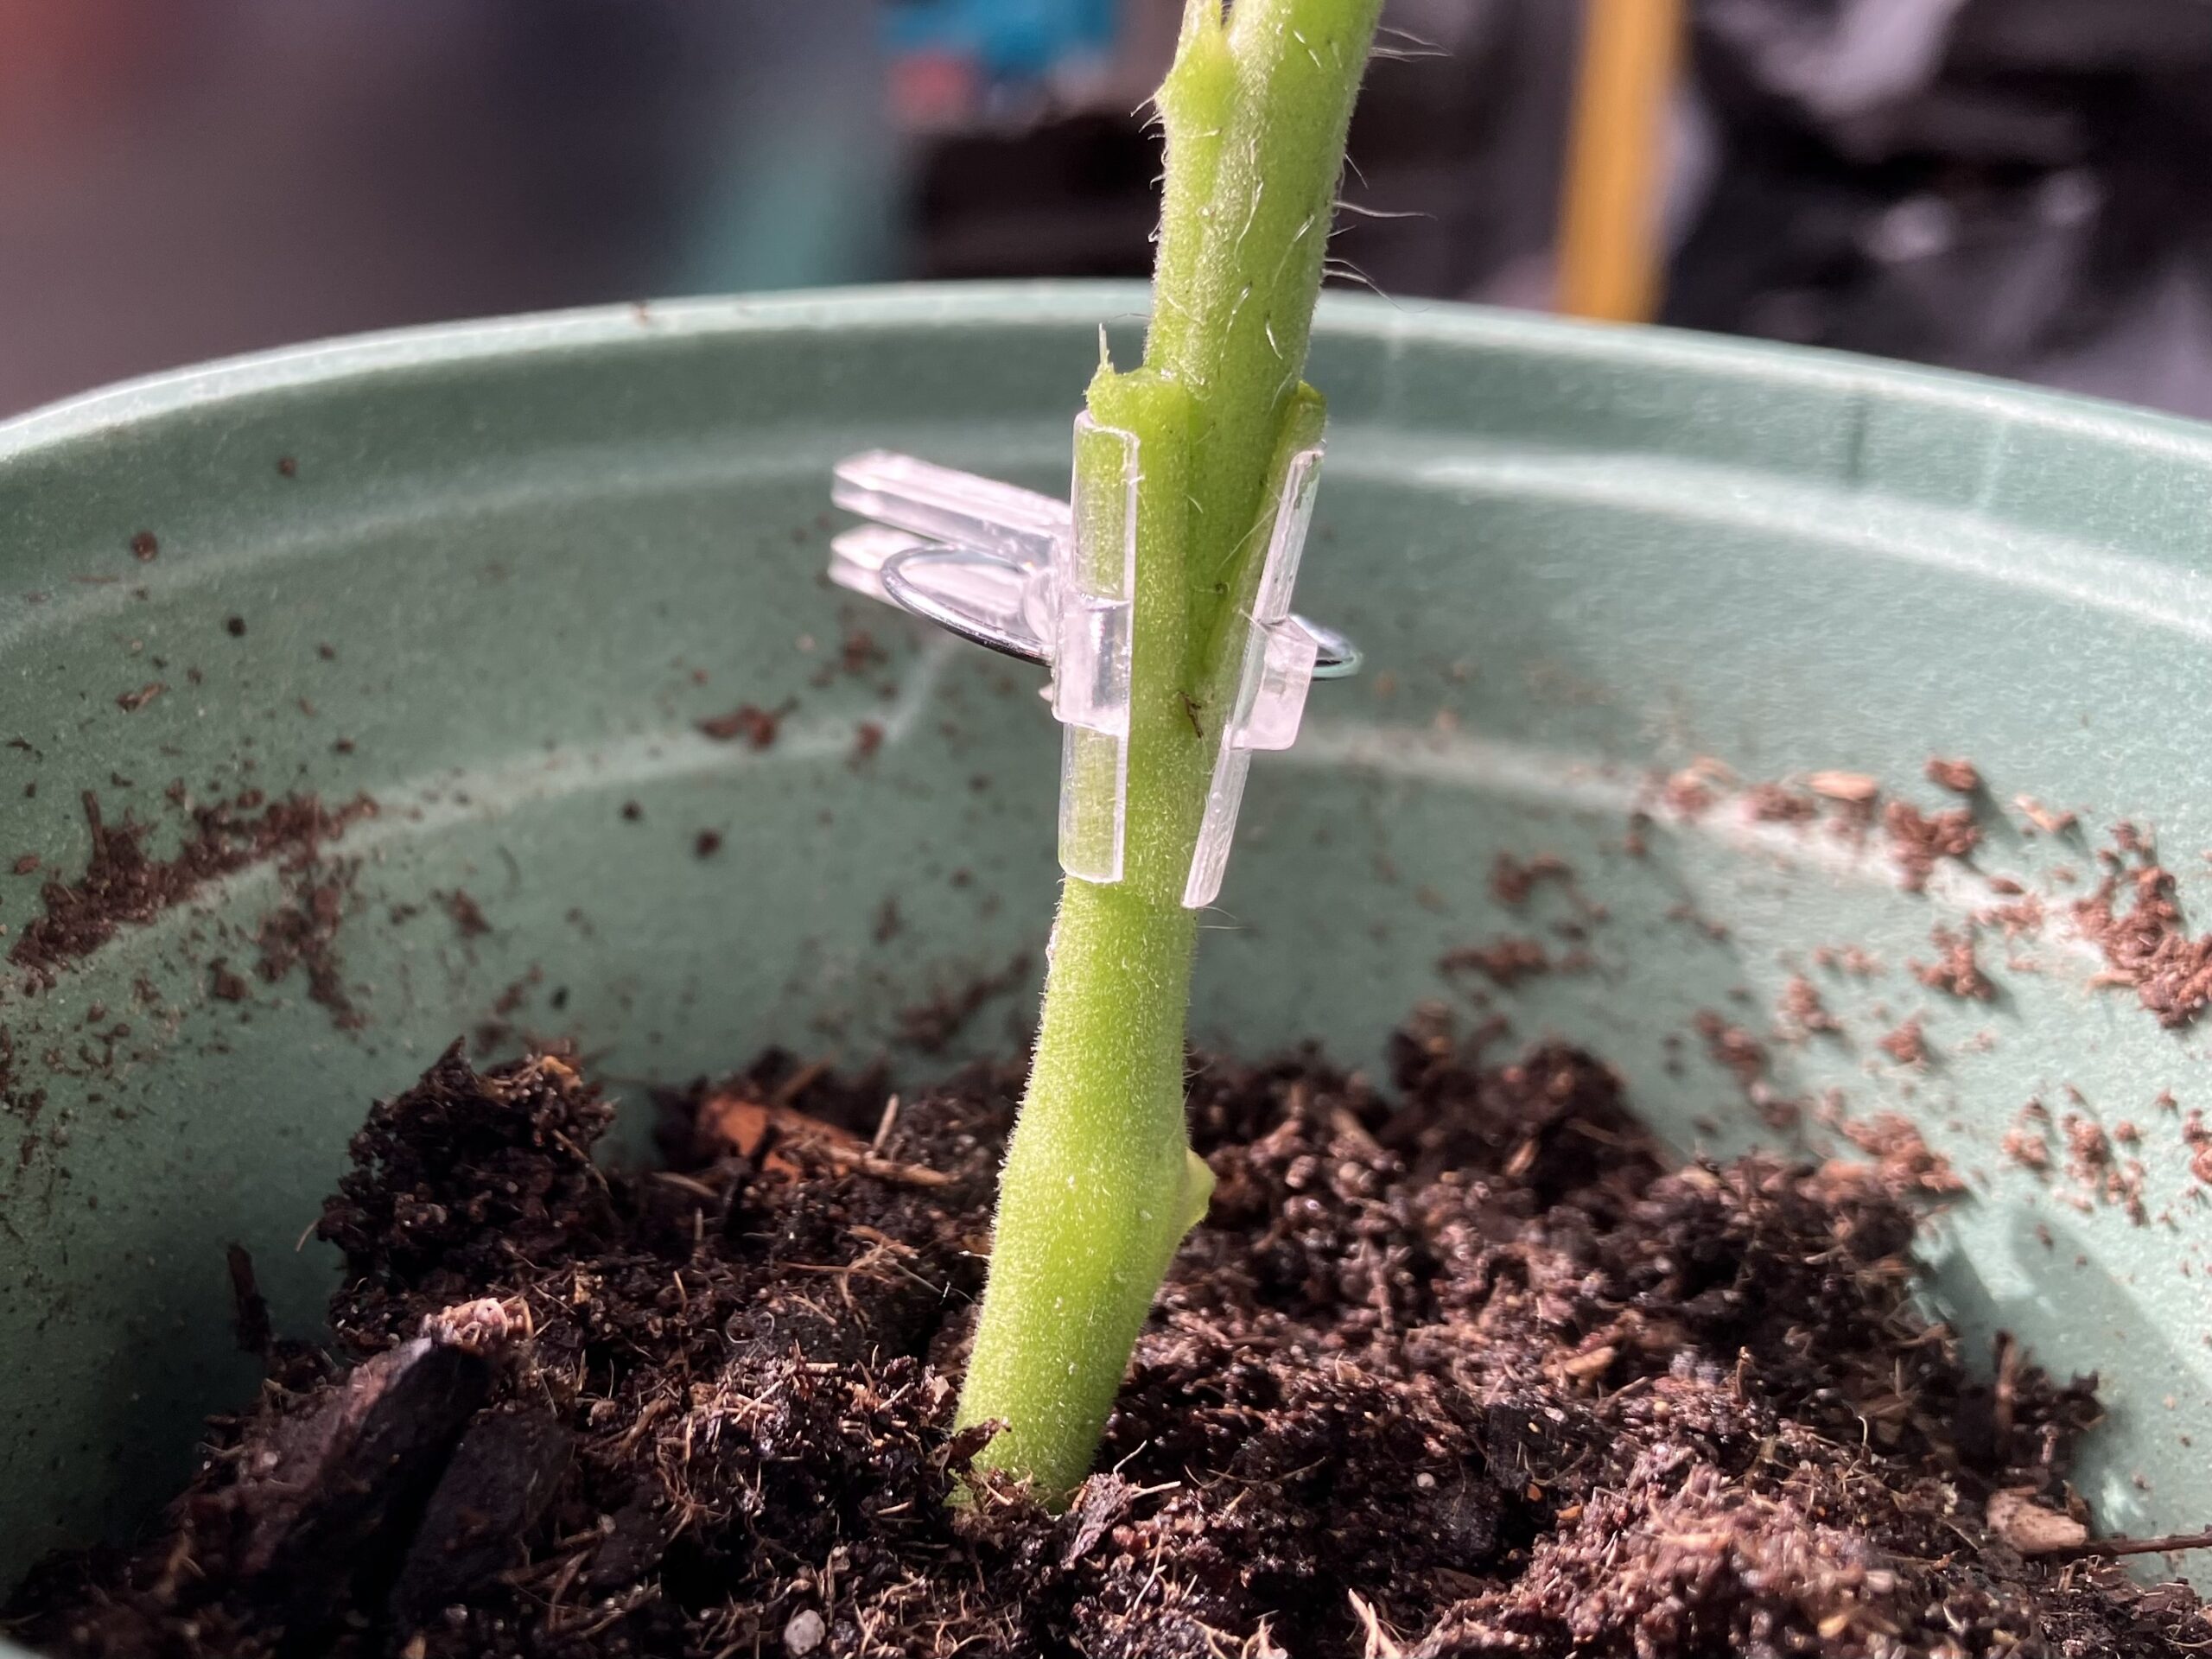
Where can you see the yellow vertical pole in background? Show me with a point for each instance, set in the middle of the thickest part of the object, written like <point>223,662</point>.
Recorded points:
<point>1609,252</point>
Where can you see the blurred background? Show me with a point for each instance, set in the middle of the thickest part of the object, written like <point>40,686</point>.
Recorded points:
<point>2017,186</point>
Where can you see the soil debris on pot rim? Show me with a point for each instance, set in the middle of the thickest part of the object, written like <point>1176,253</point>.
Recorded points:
<point>1960,777</point>
<point>1505,961</point>
<point>122,885</point>
<point>2146,946</point>
<point>1474,1373</point>
<point>756,726</point>
<point>1906,1043</point>
<point>931,1025</point>
<point>1918,839</point>
<point>1802,1010</point>
<point>1956,970</point>
<point>1512,880</point>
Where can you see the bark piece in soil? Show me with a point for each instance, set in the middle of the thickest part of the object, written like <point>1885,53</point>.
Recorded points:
<point>343,1480</point>
<point>502,1475</point>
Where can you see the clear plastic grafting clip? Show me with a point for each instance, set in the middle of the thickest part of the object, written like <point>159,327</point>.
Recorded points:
<point>1055,582</point>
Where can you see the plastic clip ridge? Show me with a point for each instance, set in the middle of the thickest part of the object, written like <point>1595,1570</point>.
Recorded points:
<point>1054,582</point>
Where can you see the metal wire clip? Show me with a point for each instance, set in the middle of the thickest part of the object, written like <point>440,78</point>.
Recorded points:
<point>1054,582</point>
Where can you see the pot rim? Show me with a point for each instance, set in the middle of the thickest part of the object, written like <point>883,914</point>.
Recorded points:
<point>1053,304</point>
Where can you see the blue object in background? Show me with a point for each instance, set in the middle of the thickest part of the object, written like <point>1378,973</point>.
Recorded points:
<point>1009,40</point>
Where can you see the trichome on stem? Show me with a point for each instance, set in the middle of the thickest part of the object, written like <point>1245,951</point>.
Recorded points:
<point>1100,1184</point>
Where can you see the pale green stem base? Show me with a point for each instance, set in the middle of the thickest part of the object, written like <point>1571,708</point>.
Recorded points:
<point>1088,1223</point>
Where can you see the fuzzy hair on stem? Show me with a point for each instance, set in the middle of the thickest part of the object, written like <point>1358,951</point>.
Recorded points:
<point>1100,1184</point>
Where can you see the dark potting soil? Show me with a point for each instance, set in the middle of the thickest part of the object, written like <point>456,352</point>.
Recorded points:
<point>1475,1373</point>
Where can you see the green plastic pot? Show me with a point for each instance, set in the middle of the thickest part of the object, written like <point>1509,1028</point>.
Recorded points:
<point>502,570</point>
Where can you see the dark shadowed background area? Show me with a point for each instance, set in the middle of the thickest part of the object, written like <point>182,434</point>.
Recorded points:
<point>2013,186</point>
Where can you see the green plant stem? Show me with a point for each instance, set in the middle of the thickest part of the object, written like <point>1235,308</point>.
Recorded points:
<point>1100,1184</point>
<point>1258,110</point>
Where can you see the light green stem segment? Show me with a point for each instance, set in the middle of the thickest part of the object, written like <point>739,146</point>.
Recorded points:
<point>1256,113</point>
<point>1100,1184</point>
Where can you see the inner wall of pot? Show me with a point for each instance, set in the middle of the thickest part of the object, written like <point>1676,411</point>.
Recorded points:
<point>492,580</point>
